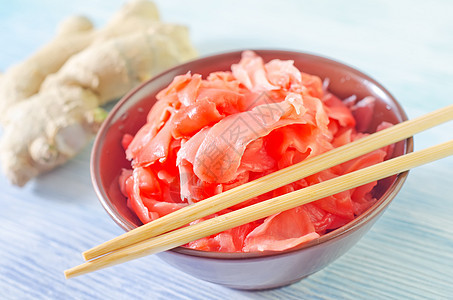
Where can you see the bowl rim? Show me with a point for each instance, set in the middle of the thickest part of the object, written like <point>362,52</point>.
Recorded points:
<point>374,211</point>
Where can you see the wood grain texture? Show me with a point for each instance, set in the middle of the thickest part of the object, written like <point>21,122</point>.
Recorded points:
<point>406,45</point>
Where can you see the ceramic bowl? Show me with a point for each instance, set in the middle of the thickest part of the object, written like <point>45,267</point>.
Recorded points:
<point>254,270</point>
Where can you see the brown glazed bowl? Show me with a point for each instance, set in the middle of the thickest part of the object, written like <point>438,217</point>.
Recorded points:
<point>254,270</point>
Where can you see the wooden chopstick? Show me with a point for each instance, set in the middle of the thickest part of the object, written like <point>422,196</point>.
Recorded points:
<point>260,210</point>
<point>272,181</point>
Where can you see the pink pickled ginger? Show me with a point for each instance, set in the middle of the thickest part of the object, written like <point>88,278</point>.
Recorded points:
<point>205,136</point>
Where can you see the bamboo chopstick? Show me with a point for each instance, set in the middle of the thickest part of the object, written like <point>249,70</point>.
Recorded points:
<point>260,210</point>
<point>272,181</point>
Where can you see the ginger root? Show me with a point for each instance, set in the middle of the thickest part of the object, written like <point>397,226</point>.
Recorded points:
<point>73,35</point>
<point>47,128</point>
<point>24,79</point>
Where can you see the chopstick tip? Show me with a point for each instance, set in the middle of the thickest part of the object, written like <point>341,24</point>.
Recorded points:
<point>86,255</point>
<point>68,274</point>
<point>81,269</point>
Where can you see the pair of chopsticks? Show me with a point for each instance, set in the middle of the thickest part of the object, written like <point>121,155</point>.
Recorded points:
<point>163,234</point>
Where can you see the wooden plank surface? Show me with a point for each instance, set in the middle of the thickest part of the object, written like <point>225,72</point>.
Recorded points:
<point>406,45</point>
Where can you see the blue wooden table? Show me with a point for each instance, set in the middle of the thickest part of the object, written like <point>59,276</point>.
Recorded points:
<point>406,45</point>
